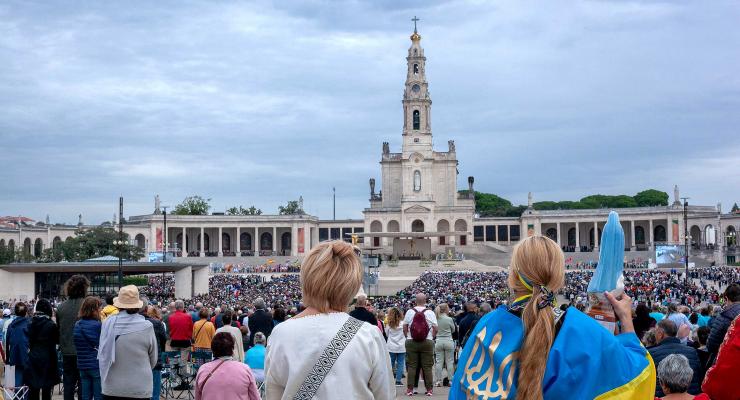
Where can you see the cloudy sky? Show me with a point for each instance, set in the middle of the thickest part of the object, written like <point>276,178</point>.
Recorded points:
<point>259,103</point>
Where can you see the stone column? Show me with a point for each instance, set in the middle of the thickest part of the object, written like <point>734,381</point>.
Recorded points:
<point>508,229</point>
<point>274,239</point>
<point>651,246</point>
<point>256,241</point>
<point>200,281</point>
<point>596,236</point>
<point>184,283</point>
<point>293,241</point>
<point>202,242</point>
<point>578,239</point>
<point>669,229</point>
<point>633,246</point>
<point>557,239</point>
<point>184,242</point>
<point>485,236</point>
<point>220,245</point>
<point>238,243</point>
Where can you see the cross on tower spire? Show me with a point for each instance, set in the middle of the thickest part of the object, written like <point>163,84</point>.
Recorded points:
<point>415,19</point>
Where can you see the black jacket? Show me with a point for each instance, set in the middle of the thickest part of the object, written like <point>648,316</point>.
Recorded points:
<point>43,336</point>
<point>672,345</point>
<point>260,321</point>
<point>719,326</point>
<point>161,334</point>
<point>363,314</point>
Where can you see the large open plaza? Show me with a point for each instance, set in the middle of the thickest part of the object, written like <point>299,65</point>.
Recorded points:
<point>261,201</point>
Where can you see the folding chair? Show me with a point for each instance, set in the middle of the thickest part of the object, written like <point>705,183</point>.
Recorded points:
<point>170,376</point>
<point>15,393</point>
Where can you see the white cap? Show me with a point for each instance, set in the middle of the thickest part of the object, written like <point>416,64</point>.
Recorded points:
<point>6,312</point>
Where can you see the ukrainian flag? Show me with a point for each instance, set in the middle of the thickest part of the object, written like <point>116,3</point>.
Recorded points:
<point>585,362</point>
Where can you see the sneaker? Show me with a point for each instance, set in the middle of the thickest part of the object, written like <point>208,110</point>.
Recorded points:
<point>409,392</point>
<point>445,382</point>
<point>429,393</point>
<point>399,384</point>
<point>438,384</point>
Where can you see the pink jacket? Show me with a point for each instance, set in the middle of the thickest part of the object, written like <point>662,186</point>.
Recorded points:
<point>231,381</point>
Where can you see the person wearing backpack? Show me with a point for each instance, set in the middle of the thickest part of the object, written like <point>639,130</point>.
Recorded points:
<point>420,328</point>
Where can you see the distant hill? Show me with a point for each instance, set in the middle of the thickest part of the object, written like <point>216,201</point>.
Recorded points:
<point>491,205</point>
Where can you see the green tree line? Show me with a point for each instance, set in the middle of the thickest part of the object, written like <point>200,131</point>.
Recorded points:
<point>491,205</point>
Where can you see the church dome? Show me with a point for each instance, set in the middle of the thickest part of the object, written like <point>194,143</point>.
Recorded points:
<point>415,37</point>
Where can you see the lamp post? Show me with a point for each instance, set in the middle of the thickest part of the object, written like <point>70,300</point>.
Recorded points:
<point>120,242</point>
<point>686,236</point>
<point>164,248</point>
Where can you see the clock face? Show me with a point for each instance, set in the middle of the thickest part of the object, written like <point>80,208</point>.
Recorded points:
<point>415,88</point>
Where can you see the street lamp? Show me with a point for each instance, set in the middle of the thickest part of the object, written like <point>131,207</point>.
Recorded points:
<point>120,242</point>
<point>686,236</point>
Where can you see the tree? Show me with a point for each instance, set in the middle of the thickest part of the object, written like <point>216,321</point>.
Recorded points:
<point>293,207</point>
<point>735,209</point>
<point>243,211</point>
<point>651,197</point>
<point>95,242</point>
<point>193,205</point>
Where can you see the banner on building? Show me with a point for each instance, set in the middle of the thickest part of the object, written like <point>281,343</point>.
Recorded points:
<point>160,239</point>
<point>301,242</point>
<point>675,231</point>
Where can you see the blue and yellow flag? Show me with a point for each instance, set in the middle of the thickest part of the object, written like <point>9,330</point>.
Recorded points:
<point>585,362</point>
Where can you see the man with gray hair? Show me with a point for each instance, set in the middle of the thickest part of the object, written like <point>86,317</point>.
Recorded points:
<point>668,343</point>
<point>260,321</point>
<point>675,374</point>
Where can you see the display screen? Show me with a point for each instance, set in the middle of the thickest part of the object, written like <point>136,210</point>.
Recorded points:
<point>669,254</point>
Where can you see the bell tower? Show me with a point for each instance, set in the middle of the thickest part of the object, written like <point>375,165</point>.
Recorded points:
<point>417,105</point>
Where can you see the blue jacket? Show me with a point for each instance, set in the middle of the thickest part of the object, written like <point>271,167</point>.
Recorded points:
<point>17,342</point>
<point>672,345</point>
<point>719,326</point>
<point>86,339</point>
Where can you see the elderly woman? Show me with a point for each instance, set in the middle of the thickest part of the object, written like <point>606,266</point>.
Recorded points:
<point>225,378</point>
<point>674,375</point>
<point>356,365</point>
<point>255,356</point>
<point>128,349</point>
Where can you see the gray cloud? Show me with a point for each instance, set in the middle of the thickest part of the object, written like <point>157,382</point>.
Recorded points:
<point>258,103</point>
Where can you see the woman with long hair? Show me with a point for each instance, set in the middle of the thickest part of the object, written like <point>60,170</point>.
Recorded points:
<point>396,343</point>
<point>535,351</point>
<point>642,321</point>
<point>87,339</point>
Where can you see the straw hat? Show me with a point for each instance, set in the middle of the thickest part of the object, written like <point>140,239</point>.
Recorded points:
<point>128,297</point>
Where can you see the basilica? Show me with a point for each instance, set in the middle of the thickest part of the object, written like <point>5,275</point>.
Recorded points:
<point>417,210</point>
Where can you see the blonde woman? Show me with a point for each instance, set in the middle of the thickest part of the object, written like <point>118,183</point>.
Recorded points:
<point>444,346</point>
<point>534,351</point>
<point>396,343</point>
<point>352,355</point>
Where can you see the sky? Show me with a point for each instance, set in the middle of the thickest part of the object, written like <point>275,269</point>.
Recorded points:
<point>258,103</point>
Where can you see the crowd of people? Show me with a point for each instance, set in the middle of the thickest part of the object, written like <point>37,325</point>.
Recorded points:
<point>246,268</point>
<point>239,340</point>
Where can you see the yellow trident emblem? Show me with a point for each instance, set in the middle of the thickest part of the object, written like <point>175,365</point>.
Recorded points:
<point>479,384</point>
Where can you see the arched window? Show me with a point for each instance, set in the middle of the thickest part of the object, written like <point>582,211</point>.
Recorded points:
<point>417,122</point>
<point>572,237</point>
<point>266,241</point>
<point>140,241</point>
<point>659,233</point>
<point>417,181</point>
<point>416,68</point>
<point>552,233</point>
<point>225,242</point>
<point>245,240</point>
<point>417,226</point>
<point>639,235</point>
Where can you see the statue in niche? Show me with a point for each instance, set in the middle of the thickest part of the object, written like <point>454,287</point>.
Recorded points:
<point>417,181</point>
<point>451,145</point>
<point>386,148</point>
